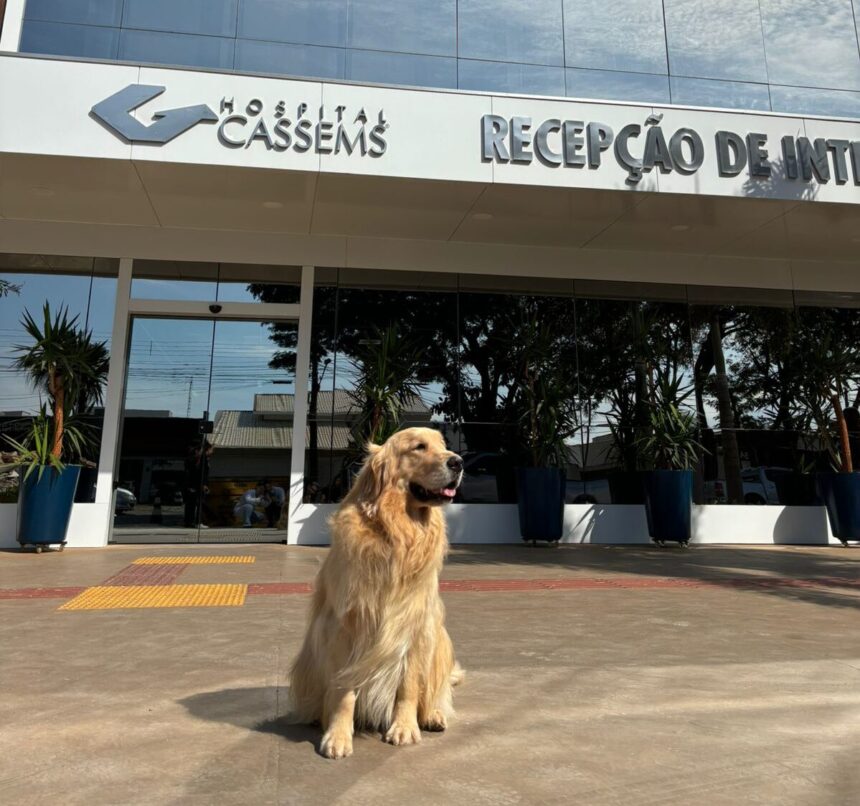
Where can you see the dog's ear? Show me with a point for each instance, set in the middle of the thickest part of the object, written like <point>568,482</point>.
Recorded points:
<point>372,479</point>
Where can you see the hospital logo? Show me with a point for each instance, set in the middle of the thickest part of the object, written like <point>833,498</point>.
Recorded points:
<point>248,124</point>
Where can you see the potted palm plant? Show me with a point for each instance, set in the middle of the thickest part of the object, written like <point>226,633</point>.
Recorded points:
<point>65,365</point>
<point>547,420</point>
<point>669,450</point>
<point>831,371</point>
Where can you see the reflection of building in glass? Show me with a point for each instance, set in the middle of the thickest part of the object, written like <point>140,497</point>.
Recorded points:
<point>256,443</point>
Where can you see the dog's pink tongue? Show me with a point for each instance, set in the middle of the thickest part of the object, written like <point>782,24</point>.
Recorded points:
<point>448,492</point>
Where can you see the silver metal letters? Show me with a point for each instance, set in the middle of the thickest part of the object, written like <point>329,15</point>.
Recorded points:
<point>640,148</point>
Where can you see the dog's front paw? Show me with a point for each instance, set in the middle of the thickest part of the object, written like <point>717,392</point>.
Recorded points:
<point>336,743</point>
<point>435,720</point>
<point>403,733</point>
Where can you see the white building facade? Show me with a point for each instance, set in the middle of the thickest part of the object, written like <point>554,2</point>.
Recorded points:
<point>246,244</point>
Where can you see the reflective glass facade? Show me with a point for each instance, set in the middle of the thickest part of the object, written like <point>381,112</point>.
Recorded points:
<point>798,56</point>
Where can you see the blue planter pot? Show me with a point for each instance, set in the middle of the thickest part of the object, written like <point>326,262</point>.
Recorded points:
<point>668,504</point>
<point>540,499</point>
<point>45,506</point>
<point>840,493</point>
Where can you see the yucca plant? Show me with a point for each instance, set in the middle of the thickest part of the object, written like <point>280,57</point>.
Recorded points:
<point>669,441</point>
<point>69,368</point>
<point>36,451</point>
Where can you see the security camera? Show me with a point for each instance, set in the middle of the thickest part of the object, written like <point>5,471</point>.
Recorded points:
<point>214,308</point>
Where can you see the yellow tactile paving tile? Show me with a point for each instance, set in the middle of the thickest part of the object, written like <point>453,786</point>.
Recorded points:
<point>195,560</point>
<point>108,597</point>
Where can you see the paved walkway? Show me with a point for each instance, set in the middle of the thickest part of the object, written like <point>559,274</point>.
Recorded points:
<point>596,675</point>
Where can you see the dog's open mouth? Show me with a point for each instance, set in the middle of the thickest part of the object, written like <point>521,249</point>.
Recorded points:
<point>426,496</point>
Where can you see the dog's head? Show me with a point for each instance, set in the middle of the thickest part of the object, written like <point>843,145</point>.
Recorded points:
<point>414,462</point>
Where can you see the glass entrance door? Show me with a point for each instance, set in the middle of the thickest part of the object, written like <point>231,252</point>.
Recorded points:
<point>206,431</point>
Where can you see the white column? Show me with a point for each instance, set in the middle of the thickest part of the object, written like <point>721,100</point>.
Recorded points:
<point>113,396</point>
<point>300,408</point>
<point>12,21</point>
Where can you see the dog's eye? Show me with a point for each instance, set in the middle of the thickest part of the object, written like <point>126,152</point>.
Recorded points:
<point>421,447</point>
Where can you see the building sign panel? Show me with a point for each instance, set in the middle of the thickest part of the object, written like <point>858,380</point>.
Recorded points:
<point>640,148</point>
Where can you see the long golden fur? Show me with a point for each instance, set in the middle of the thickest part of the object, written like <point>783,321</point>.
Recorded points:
<point>376,653</point>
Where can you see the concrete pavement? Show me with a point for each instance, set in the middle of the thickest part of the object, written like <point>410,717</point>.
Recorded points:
<point>596,675</point>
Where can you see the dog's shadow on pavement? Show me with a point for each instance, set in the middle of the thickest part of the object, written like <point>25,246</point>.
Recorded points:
<point>261,709</point>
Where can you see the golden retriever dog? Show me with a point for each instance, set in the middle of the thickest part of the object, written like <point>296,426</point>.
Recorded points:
<point>376,653</point>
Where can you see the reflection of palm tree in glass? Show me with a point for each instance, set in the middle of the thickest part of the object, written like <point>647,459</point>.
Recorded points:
<point>385,383</point>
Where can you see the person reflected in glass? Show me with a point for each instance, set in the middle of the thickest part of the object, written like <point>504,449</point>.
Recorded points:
<point>246,507</point>
<point>195,487</point>
<point>276,498</point>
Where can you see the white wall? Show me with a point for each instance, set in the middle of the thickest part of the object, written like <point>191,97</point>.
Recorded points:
<point>498,523</point>
<point>87,528</point>
<point>612,525</point>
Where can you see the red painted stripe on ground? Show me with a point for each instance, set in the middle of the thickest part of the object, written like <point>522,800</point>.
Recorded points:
<point>40,593</point>
<point>146,575</point>
<point>499,585</point>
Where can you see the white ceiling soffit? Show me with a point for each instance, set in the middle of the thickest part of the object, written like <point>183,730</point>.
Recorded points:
<point>245,200</point>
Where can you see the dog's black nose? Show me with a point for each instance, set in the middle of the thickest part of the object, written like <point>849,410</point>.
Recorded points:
<point>455,463</point>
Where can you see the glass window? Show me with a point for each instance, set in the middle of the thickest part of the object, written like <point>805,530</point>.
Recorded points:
<point>611,86</point>
<point>499,77</point>
<point>726,94</point>
<point>407,26</point>
<point>805,101</point>
<point>180,49</point>
<point>86,12</point>
<point>401,68</point>
<point>311,22</point>
<point>748,372</point>
<point>828,361</point>
<point>375,368</point>
<point>224,282</point>
<point>634,353</point>
<point>212,17</point>
<point>812,44</point>
<point>86,288</point>
<point>292,60</point>
<point>515,348</point>
<point>511,31</point>
<point>60,39</point>
<point>715,39</point>
<point>615,35</point>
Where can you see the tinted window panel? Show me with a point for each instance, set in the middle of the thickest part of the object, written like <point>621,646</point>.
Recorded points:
<point>59,39</point>
<point>612,86</point>
<point>401,68</point>
<point>716,39</point>
<point>88,12</point>
<point>804,101</point>
<point>615,35</point>
<point>511,31</point>
<point>313,22</point>
<point>293,60</point>
<point>163,48</point>
<point>726,94</point>
<point>812,44</point>
<point>498,77</point>
<point>212,17</point>
<point>410,26</point>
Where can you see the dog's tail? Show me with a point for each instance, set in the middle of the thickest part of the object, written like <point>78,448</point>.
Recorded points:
<point>458,674</point>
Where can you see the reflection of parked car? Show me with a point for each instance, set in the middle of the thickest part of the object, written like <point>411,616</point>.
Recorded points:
<point>759,486</point>
<point>124,500</point>
<point>479,485</point>
<point>592,491</point>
